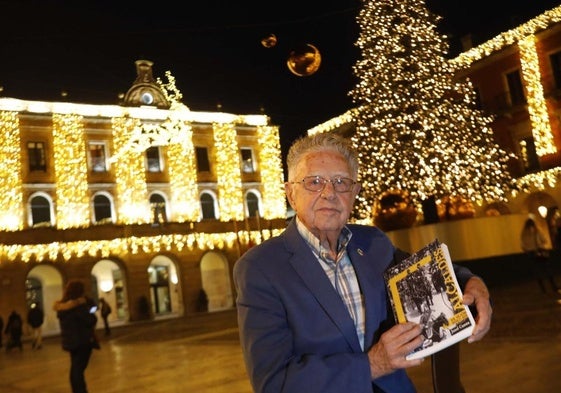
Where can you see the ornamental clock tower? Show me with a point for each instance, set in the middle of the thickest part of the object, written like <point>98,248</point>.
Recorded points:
<point>145,91</point>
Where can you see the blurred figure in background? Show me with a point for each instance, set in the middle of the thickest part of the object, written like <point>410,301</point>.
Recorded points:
<point>35,318</point>
<point>14,330</point>
<point>534,243</point>
<point>76,314</point>
<point>105,310</point>
<point>554,223</point>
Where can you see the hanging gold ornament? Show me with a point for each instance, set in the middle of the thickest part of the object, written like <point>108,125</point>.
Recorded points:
<point>304,60</point>
<point>269,41</point>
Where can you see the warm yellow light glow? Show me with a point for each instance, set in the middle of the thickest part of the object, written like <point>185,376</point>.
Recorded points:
<point>183,178</point>
<point>132,194</point>
<point>132,131</point>
<point>418,129</point>
<point>69,149</point>
<point>537,106</point>
<point>539,180</point>
<point>274,204</point>
<point>334,123</point>
<point>509,37</point>
<point>110,111</point>
<point>171,128</point>
<point>11,215</point>
<point>134,245</point>
<point>228,173</point>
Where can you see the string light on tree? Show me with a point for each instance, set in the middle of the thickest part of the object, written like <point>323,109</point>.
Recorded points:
<point>418,129</point>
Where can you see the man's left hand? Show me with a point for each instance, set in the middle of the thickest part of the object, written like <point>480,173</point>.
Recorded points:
<point>476,293</point>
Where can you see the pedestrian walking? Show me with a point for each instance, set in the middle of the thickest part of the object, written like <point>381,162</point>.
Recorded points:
<point>105,310</point>
<point>76,314</point>
<point>35,319</point>
<point>534,243</point>
<point>14,330</point>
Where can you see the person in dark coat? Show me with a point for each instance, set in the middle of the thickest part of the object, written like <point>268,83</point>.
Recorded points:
<point>14,330</point>
<point>35,318</point>
<point>105,310</point>
<point>76,314</point>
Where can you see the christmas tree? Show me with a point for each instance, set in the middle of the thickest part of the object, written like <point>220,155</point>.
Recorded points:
<point>419,131</point>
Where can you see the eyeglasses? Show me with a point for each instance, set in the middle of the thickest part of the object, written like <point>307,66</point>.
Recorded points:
<point>317,183</point>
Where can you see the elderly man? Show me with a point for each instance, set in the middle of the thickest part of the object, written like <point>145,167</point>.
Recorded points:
<point>313,311</point>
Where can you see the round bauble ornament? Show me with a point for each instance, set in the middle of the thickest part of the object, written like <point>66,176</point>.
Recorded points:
<point>269,41</point>
<point>304,60</point>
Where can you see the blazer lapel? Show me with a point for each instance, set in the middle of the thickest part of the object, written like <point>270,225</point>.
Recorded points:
<point>310,271</point>
<point>369,272</point>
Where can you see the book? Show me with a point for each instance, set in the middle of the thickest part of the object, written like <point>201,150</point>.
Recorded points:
<point>423,288</point>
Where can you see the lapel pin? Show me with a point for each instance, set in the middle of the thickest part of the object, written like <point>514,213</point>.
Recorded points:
<point>360,252</point>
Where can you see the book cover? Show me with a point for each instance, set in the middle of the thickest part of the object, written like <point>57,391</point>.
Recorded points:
<point>423,288</point>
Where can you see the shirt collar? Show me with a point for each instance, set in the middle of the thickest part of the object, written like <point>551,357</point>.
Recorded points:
<point>315,245</point>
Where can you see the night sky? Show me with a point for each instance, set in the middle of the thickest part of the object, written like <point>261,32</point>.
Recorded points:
<point>213,49</point>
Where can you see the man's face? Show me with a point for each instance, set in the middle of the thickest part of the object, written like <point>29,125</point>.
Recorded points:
<point>323,211</point>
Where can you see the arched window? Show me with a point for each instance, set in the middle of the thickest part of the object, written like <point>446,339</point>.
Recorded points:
<point>40,211</point>
<point>153,159</point>
<point>158,206</point>
<point>252,202</point>
<point>102,209</point>
<point>207,206</point>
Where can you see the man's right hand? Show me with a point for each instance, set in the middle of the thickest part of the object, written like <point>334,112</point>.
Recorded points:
<point>388,354</point>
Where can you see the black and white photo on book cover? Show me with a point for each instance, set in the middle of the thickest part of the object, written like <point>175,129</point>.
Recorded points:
<point>423,289</point>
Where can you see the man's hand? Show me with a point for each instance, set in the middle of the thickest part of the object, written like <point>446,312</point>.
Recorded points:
<point>388,354</point>
<point>476,293</point>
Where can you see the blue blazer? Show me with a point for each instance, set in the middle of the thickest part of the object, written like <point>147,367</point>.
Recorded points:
<point>296,333</point>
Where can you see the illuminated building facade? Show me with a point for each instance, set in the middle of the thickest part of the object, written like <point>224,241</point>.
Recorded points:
<point>147,202</point>
<point>517,77</point>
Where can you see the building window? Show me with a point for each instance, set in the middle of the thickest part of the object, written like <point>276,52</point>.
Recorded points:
<point>207,206</point>
<point>37,156</point>
<point>153,161</point>
<point>555,60</point>
<point>528,154</point>
<point>203,163</point>
<point>40,211</point>
<point>247,160</point>
<point>97,156</point>
<point>158,206</point>
<point>515,88</point>
<point>252,202</point>
<point>102,209</point>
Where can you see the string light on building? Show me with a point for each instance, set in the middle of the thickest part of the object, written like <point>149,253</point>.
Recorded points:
<point>537,105</point>
<point>71,171</point>
<point>418,129</point>
<point>147,244</point>
<point>133,130</point>
<point>11,187</point>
